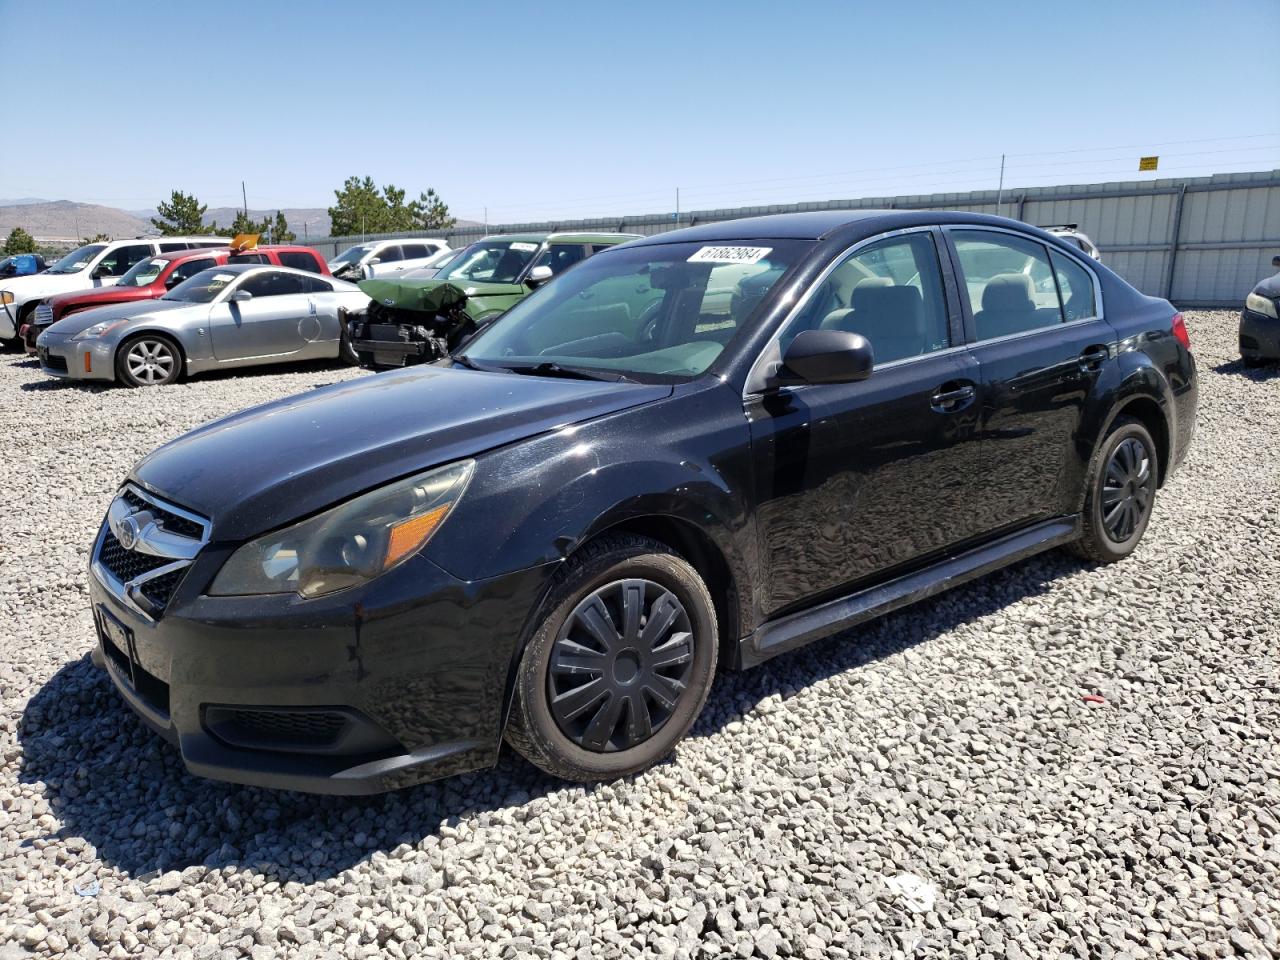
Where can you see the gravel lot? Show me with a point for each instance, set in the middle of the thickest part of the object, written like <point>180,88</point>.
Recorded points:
<point>949,742</point>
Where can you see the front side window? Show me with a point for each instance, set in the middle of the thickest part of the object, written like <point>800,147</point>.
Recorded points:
<point>890,292</point>
<point>143,272</point>
<point>1075,284</point>
<point>77,260</point>
<point>491,261</point>
<point>352,254</point>
<point>120,260</point>
<point>1008,281</point>
<point>389,254</point>
<point>646,313</point>
<point>561,256</point>
<point>185,271</point>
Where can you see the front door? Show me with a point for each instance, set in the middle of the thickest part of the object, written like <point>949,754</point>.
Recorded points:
<point>268,324</point>
<point>854,481</point>
<point>1040,344</point>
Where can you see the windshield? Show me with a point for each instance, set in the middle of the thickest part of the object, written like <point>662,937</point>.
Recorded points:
<point>77,260</point>
<point>203,287</point>
<point>491,261</point>
<point>143,272</point>
<point>650,313</point>
<point>352,254</point>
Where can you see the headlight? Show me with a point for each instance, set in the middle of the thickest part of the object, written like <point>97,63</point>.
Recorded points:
<point>98,329</point>
<point>1260,304</point>
<point>349,544</point>
<point>6,297</point>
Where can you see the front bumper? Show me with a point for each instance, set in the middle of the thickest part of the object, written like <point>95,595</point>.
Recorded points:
<point>416,664</point>
<point>1259,336</point>
<point>61,356</point>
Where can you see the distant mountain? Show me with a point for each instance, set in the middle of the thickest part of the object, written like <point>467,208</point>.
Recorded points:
<point>65,221</point>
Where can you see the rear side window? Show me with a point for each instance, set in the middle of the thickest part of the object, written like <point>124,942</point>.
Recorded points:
<point>271,283</point>
<point>300,260</point>
<point>314,285</point>
<point>1075,284</point>
<point>416,251</point>
<point>1008,281</point>
<point>890,292</point>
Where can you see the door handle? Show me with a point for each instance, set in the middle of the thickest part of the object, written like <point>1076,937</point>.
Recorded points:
<point>1092,359</point>
<point>953,399</point>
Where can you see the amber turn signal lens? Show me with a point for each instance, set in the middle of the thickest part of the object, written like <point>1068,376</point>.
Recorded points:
<point>88,368</point>
<point>409,535</point>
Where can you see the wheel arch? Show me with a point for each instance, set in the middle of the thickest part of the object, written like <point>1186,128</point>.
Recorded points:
<point>1149,413</point>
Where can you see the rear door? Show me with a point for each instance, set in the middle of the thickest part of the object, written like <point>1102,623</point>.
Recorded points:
<point>856,480</point>
<point>267,325</point>
<point>1034,320</point>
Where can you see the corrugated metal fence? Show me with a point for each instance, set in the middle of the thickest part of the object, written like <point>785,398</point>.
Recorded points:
<point>1202,241</point>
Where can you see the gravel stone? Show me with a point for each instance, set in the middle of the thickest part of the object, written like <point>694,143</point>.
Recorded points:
<point>949,741</point>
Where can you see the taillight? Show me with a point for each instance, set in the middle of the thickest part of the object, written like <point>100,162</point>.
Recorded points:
<point>1180,331</point>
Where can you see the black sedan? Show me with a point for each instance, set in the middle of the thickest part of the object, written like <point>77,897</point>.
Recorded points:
<point>693,451</point>
<point>1260,321</point>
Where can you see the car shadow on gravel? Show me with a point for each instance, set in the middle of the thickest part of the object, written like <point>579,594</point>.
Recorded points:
<point>124,790</point>
<point>1268,371</point>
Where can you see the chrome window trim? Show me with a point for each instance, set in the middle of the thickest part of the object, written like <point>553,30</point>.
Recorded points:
<point>1076,255</point>
<point>821,278</point>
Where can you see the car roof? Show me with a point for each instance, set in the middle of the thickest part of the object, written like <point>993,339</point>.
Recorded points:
<point>567,237</point>
<point>819,224</point>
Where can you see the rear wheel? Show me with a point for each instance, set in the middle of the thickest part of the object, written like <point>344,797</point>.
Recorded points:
<point>1121,494</point>
<point>346,350</point>
<point>148,360</point>
<point>619,667</point>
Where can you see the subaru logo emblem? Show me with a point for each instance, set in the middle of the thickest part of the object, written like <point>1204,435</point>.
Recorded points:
<point>388,301</point>
<point>128,532</point>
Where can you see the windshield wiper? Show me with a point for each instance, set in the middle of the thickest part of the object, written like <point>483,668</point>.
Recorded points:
<point>463,360</point>
<point>549,369</point>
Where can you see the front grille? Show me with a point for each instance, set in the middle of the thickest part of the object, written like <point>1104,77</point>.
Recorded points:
<point>307,726</point>
<point>44,315</point>
<point>51,361</point>
<point>160,589</point>
<point>165,518</point>
<point>124,564</point>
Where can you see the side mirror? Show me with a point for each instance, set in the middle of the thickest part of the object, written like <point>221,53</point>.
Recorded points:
<point>373,262</point>
<point>826,356</point>
<point>101,271</point>
<point>538,275</point>
<point>239,296</point>
<point>1275,261</point>
<point>172,282</point>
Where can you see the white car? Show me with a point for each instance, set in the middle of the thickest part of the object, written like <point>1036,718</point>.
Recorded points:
<point>380,259</point>
<point>93,265</point>
<point>1071,233</point>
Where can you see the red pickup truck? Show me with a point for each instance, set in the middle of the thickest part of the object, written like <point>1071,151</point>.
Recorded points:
<point>154,276</point>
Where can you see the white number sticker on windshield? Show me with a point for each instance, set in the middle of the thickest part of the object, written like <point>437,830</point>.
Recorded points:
<point>222,278</point>
<point>524,247</point>
<point>730,255</point>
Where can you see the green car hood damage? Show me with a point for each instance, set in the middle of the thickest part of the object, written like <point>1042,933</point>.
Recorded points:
<point>438,296</point>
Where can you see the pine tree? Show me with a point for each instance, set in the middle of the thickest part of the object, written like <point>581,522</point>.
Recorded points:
<point>182,215</point>
<point>19,241</point>
<point>280,232</point>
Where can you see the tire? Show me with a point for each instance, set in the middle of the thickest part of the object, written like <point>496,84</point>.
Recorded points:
<point>1121,492</point>
<point>346,350</point>
<point>548,688</point>
<point>136,351</point>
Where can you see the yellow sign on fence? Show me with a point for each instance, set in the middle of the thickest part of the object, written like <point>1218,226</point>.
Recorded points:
<point>1148,163</point>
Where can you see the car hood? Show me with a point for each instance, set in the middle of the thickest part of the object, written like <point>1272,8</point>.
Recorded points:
<point>269,465</point>
<point>117,311</point>
<point>433,296</point>
<point>115,294</point>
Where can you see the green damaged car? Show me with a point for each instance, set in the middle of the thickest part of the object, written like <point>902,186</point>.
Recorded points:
<point>416,321</point>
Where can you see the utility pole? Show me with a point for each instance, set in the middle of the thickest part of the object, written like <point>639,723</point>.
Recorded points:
<point>486,219</point>
<point>677,206</point>
<point>1000,189</point>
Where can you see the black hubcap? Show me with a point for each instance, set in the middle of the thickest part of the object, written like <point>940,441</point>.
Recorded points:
<point>1126,489</point>
<point>620,665</point>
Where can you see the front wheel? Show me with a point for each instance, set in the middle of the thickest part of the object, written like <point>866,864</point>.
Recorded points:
<point>620,666</point>
<point>346,349</point>
<point>148,360</point>
<point>1122,488</point>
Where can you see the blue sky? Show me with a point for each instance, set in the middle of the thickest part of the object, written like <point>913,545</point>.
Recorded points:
<point>582,109</point>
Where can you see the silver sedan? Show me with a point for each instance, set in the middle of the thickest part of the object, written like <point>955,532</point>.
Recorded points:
<point>228,316</point>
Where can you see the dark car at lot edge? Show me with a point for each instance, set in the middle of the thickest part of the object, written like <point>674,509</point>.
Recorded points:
<point>153,277</point>
<point>701,448</point>
<point>1260,321</point>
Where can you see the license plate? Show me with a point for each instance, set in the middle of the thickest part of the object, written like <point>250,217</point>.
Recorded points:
<point>112,631</point>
